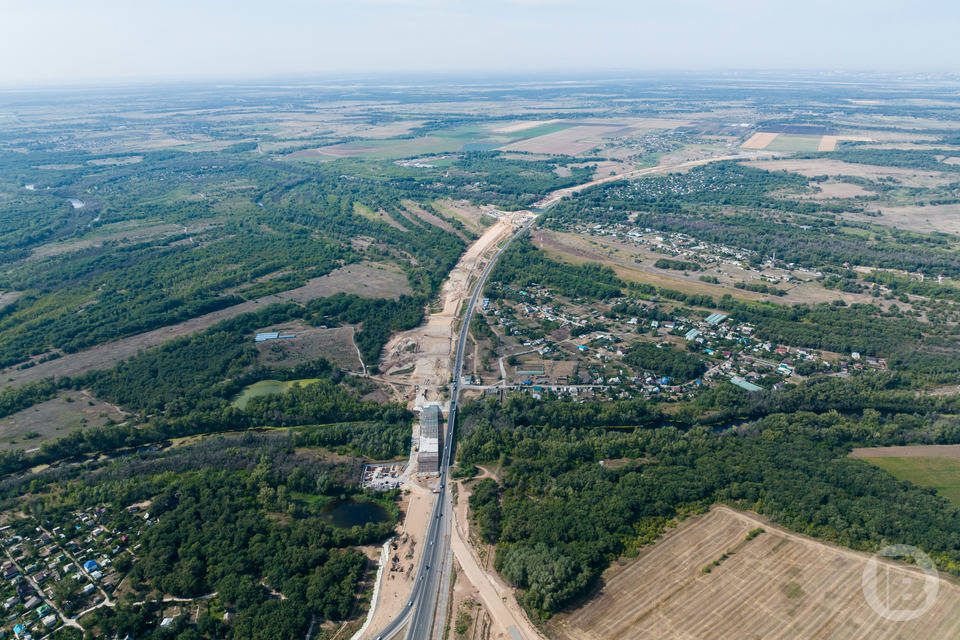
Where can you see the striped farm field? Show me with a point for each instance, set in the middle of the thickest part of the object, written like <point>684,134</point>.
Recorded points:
<point>775,585</point>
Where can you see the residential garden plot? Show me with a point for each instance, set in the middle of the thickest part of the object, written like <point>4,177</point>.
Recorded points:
<point>706,579</point>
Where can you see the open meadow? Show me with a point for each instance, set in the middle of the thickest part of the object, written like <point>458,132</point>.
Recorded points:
<point>934,466</point>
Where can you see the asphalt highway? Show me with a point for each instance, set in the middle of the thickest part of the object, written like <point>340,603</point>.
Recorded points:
<point>420,608</point>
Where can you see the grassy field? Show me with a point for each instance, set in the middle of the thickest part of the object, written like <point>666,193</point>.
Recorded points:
<point>31,427</point>
<point>309,344</point>
<point>266,388</point>
<point>940,473</point>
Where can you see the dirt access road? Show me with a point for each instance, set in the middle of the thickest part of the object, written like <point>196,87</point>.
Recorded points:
<point>508,618</point>
<point>421,359</point>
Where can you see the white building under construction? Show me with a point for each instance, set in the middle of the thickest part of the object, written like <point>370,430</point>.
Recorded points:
<point>428,453</point>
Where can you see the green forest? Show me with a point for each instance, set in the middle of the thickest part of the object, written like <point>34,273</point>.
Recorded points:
<point>242,518</point>
<point>559,518</point>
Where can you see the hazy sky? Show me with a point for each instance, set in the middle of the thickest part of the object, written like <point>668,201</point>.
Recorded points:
<point>44,41</point>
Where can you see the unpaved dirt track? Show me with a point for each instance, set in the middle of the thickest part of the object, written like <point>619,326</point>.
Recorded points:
<point>496,596</point>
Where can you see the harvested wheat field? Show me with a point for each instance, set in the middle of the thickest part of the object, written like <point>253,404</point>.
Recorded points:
<point>759,141</point>
<point>572,141</point>
<point>778,585</point>
<point>829,143</point>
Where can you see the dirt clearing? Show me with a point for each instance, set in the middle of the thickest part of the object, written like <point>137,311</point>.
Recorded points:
<point>776,585</point>
<point>6,297</point>
<point>498,597</point>
<point>368,279</point>
<point>831,190</point>
<point>404,554</point>
<point>308,344</point>
<point>925,219</point>
<point>429,347</point>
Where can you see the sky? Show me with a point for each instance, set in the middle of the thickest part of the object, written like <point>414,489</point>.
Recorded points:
<point>91,41</point>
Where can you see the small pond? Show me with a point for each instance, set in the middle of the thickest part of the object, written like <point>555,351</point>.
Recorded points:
<point>354,513</point>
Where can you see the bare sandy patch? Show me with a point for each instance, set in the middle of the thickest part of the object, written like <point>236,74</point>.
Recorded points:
<point>404,554</point>
<point>429,347</point>
<point>776,585</point>
<point>476,560</point>
<point>759,140</point>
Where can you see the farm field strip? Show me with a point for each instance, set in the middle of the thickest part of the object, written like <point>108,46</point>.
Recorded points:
<point>777,585</point>
<point>759,140</point>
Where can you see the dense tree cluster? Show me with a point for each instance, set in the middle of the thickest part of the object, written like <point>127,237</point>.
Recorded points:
<point>523,265</point>
<point>665,360</point>
<point>563,517</point>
